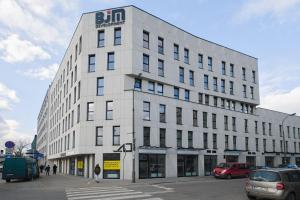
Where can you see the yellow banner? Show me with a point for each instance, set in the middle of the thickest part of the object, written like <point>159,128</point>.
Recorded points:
<point>111,165</point>
<point>80,164</point>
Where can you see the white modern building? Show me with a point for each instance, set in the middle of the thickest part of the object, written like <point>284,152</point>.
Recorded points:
<point>187,103</point>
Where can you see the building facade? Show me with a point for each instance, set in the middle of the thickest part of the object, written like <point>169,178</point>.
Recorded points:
<point>185,103</point>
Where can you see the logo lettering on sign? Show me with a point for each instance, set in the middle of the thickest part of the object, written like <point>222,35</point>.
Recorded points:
<point>110,17</point>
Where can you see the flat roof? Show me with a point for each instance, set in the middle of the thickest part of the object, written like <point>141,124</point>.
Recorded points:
<point>175,27</point>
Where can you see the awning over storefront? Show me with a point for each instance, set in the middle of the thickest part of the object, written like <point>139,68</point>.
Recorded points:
<point>153,150</point>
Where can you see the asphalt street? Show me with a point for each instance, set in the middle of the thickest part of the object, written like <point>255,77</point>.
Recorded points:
<point>61,187</point>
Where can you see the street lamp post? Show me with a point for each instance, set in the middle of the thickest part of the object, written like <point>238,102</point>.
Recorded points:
<point>283,135</point>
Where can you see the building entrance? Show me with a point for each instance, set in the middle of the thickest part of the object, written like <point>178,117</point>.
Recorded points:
<point>210,162</point>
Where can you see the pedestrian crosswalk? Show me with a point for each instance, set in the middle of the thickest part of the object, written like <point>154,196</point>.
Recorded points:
<point>107,193</point>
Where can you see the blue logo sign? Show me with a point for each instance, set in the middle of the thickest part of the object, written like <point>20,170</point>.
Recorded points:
<point>9,144</point>
<point>110,17</point>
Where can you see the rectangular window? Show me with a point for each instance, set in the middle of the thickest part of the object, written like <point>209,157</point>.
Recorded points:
<point>90,111</point>
<point>253,77</point>
<point>176,92</point>
<point>181,74</point>
<point>162,137</point>
<point>226,142</point>
<point>146,110</point>
<point>160,89</point>
<point>179,138</point>
<point>216,101</point>
<point>210,63</point>
<point>270,130</point>
<point>146,39</point>
<point>100,86</point>
<point>75,74</point>
<point>99,136</point>
<point>233,124</point>
<point>162,113</point>
<point>256,144</point>
<point>226,123</point>
<point>146,136</point>
<point>191,78</point>
<point>145,63</point>
<point>92,63</point>
<point>79,88</point>
<point>190,139</point>
<point>294,131</point>
<point>223,68</point>
<point>151,87</point>
<point>187,95</point>
<point>195,118</point>
<point>109,110</point>
<point>234,142</point>
<point>215,141</point>
<point>231,87</point>
<point>204,119</point>
<point>78,113</point>
<point>244,73</point>
<point>76,51</point>
<point>179,115</point>
<point>256,127</point>
<point>110,61</point>
<point>205,140</point>
<point>137,84</point>
<point>223,86</point>
<point>160,45</point>
<point>206,99</point>
<point>245,91</point>
<point>186,56</point>
<point>222,103</point>
<point>117,36</point>
<point>161,68</point>
<point>215,84</point>
<point>214,121</point>
<point>206,82</point>
<point>231,70</point>
<point>246,125</point>
<point>265,145</point>
<point>200,61</point>
<point>288,131</point>
<point>246,143</point>
<point>252,92</point>
<point>101,38</point>
<point>200,98</point>
<point>116,135</point>
<point>80,44</point>
<point>264,128</point>
<point>176,52</point>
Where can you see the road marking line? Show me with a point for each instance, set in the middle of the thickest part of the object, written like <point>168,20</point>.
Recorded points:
<point>101,192</point>
<point>126,197</point>
<point>95,190</point>
<point>155,198</point>
<point>92,188</point>
<point>104,195</point>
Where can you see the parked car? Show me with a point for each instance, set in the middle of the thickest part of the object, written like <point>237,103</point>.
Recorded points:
<point>275,183</point>
<point>230,170</point>
<point>290,165</point>
<point>19,168</point>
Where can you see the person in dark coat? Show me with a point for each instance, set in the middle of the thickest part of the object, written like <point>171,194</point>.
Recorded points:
<point>54,168</point>
<point>47,170</point>
<point>41,168</point>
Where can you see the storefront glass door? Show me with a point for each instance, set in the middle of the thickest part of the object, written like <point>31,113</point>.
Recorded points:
<point>210,162</point>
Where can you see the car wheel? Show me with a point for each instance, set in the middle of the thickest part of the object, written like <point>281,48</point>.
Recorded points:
<point>229,176</point>
<point>291,196</point>
<point>251,197</point>
<point>7,180</point>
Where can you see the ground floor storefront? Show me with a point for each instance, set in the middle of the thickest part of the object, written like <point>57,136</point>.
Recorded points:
<point>118,165</point>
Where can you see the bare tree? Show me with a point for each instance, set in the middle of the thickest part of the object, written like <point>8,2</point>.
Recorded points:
<point>21,145</point>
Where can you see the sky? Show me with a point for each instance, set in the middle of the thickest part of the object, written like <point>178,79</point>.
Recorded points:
<point>34,35</point>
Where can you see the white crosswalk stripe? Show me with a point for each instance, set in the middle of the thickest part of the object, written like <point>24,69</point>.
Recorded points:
<point>107,193</point>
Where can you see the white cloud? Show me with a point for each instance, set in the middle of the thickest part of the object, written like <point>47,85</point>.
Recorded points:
<point>279,9</point>
<point>9,130</point>
<point>7,96</point>
<point>42,73</point>
<point>285,102</point>
<point>43,21</point>
<point>13,49</point>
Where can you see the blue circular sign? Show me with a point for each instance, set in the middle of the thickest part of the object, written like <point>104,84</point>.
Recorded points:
<point>9,144</point>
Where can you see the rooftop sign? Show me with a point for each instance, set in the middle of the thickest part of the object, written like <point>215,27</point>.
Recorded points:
<point>110,17</point>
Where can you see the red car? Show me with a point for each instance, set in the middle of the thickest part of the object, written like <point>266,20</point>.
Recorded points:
<point>229,170</point>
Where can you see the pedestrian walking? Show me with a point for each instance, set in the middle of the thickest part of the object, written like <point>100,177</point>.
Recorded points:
<point>41,168</point>
<point>47,170</point>
<point>97,171</point>
<point>54,168</point>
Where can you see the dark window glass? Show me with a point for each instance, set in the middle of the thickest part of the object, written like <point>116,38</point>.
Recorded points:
<point>117,36</point>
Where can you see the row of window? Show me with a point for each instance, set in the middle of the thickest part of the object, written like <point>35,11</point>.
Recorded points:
<point>63,144</point>
<point>117,37</point>
<point>186,54</point>
<point>92,62</point>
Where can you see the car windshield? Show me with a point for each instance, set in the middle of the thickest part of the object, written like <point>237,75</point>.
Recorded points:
<point>224,165</point>
<point>265,176</point>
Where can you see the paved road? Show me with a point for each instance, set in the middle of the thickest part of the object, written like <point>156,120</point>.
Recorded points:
<point>76,188</point>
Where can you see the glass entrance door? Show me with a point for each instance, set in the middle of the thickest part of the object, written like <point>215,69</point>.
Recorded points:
<point>210,162</point>
<point>251,161</point>
<point>269,161</point>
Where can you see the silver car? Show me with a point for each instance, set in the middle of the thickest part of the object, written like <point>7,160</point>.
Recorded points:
<point>283,184</point>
